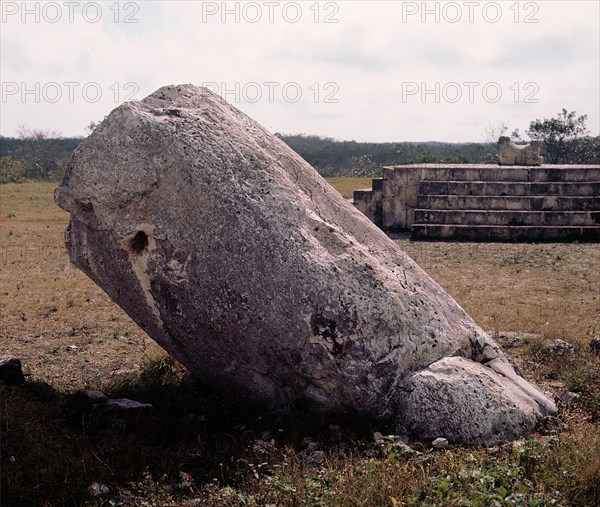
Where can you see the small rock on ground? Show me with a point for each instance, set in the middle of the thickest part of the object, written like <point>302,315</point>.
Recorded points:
<point>378,437</point>
<point>559,345</point>
<point>96,489</point>
<point>306,442</point>
<point>185,480</point>
<point>316,458</point>
<point>422,459</point>
<point>99,413</point>
<point>568,397</point>
<point>439,443</point>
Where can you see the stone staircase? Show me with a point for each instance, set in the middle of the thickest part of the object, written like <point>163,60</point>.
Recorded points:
<point>520,203</point>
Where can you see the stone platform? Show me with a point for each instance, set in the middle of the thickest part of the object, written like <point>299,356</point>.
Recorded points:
<point>478,202</point>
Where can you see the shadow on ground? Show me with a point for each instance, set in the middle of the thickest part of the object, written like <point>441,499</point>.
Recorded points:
<point>52,454</point>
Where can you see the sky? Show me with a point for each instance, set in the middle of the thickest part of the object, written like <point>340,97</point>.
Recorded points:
<point>350,70</point>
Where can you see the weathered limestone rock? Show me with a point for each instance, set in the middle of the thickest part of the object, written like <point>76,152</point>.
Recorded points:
<point>94,411</point>
<point>439,444</point>
<point>447,383</point>
<point>515,154</point>
<point>121,415</point>
<point>234,255</point>
<point>97,489</point>
<point>559,345</point>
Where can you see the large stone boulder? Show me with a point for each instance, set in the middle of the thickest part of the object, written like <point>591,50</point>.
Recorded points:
<point>232,253</point>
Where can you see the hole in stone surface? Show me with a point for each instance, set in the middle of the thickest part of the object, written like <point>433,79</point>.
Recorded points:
<point>138,243</point>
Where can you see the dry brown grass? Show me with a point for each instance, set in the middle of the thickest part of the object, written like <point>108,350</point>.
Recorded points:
<point>57,320</point>
<point>70,335</point>
<point>549,289</point>
<point>347,186</point>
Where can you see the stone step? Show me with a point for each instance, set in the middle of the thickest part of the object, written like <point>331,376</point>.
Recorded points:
<point>514,173</point>
<point>514,203</point>
<point>511,218</point>
<point>505,188</point>
<point>456,232</point>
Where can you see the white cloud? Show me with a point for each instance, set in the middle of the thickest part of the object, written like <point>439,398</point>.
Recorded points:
<point>368,54</point>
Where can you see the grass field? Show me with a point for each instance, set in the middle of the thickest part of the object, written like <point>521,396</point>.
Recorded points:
<point>69,336</point>
<point>346,186</point>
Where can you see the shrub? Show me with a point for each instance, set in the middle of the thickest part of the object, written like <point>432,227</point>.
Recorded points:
<point>11,171</point>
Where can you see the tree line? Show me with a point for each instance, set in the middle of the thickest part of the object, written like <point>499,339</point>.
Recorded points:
<point>37,154</point>
<point>350,158</point>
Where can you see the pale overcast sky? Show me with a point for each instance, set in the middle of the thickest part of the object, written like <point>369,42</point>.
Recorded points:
<point>362,70</point>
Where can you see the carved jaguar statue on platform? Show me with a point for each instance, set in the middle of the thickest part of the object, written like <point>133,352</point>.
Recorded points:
<point>514,154</point>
